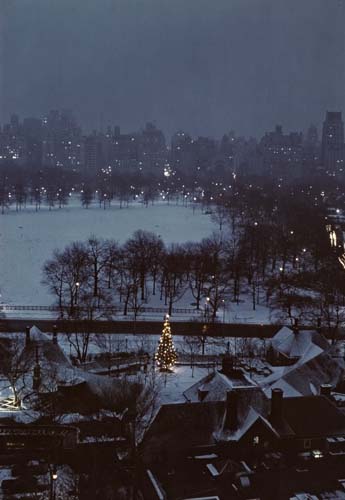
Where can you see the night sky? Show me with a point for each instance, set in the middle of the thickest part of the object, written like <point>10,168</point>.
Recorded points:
<point>206,66</point>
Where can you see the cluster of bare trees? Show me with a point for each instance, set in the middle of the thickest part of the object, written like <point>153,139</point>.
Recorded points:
<point>90,279</point>
<point>53,187</point>
<point>289,256</point>
<point>13,367</point>
<point>271,243</point>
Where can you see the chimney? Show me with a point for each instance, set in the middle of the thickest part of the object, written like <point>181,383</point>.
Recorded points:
<point>325,390</point>
<point>55,339</point>
<point>318,328</point>
<point>276,406</point>
<point>295,325</point>
<point>202,394</point>
<point>27,335</point>
<point>36,380</point>
<point>231,412</point>
<point>227,364</point>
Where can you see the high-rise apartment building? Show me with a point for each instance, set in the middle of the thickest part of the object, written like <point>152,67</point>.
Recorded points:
<point>332,154</point>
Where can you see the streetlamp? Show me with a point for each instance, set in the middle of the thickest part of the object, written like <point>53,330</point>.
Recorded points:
<point>53,478</point>
<point>77,285</point>
<point>207,306</point>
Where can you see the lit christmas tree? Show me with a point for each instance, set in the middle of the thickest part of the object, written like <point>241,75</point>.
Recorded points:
<point>166,354</point>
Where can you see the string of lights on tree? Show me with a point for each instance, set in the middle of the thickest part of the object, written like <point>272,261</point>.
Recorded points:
<point>166,355</point>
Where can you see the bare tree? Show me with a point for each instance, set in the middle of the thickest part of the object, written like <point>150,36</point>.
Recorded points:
<point>14,366</point>
<point>200,269</point>
<point>220,215</point>
<point>97,260</point>
<point>174,284</point>
<point>137,398</point>
<point>5,199</point>
<point>68,276</point>
<point>193,345</point>
<point>112,256</point>
<point>80,343</point>
<point>141,251</point>
<point>86,196</point>
<point>54,278</point>
<point>249,349</point>
<point>217,288</point>
<point>109,346</point>
<point>20,195</point>
<point>46,402</point>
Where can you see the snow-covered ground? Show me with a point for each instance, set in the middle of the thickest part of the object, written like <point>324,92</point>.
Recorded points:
<point>28,238</point>
<point>175,383</point>
<point>146,342</point>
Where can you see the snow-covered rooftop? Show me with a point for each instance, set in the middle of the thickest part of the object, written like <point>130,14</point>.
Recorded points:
<point>307,375</point>
<point>294,343</point>
<point>215,385</point>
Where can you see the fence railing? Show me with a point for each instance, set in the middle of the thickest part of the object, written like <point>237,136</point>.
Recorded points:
<point>106,310</point>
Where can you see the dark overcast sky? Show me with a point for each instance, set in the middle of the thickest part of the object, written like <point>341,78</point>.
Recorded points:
<point>207,66</point>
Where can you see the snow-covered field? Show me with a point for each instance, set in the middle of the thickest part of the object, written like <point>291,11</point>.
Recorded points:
<point>28,238</point>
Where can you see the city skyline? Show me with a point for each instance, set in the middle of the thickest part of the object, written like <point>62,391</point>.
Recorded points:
<point>137,128</point>
<point>205,69</point>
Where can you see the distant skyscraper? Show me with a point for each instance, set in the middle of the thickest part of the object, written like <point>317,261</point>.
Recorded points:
<point>182,150</point>
<point>32,133</point>
<point>152,147</point>
<point>333,141</point>
<point>281,150</point>
<point>311,147</point>
<point>92,152</point>
<point>12,146</point>
<point>61,135</point>
<point>312,136</point>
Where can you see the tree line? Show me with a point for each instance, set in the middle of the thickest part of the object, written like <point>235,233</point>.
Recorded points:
<point>54,187</point>
<point>276,252</point>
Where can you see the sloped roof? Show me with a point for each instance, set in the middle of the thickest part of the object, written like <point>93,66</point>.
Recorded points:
<point>187,424</point>
<point>251,405</point>
<point>296,343</point>
<point>58,370</point>
<point>306,377</point>
<point>313,416</point>
<point>179,427</point>
<point>36,335</point>
<point>48,351</point>
<point>216,384</point>
<point>78,398</point>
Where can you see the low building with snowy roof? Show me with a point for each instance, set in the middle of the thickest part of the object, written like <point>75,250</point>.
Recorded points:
<point>215,385</point>
<point>270,450</point>
<point>246,423</point>
<point>306,377</point>
<point>291,344</point>
<point>53,384</point>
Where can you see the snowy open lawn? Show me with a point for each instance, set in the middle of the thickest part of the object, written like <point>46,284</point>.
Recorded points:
<point>173,385</point>
<point>28,238</point>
